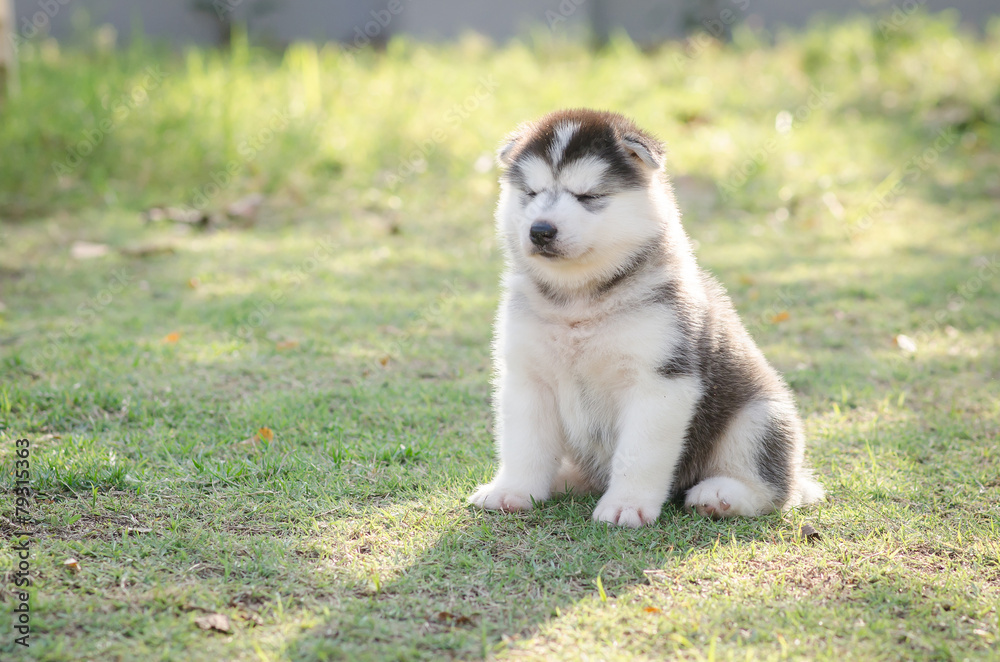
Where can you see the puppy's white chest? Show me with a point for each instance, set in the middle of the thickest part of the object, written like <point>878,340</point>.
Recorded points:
<point>590,375</point>
<point>608,352</point>
<point>587,353</point>
<point>571,344</point>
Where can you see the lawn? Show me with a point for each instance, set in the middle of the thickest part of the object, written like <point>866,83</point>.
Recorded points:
<point>275,414</point>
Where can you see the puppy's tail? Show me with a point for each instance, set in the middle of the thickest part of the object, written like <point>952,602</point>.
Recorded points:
<point>806,490</point>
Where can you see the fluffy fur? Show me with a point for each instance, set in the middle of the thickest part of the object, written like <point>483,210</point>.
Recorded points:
<point>621,367</point>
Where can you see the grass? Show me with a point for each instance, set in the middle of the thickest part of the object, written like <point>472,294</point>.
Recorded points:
<point>351,319</point>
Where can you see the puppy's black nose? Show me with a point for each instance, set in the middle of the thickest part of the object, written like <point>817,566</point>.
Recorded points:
<point>542,233</point>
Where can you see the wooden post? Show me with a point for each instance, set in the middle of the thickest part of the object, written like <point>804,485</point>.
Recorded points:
<point>8,52</point>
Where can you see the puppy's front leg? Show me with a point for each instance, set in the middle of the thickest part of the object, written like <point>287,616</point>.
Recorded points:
<point>529,442</point>
<point>651,438</point>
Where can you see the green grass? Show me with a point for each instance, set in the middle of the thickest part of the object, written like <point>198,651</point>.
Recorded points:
<point>353,320</point>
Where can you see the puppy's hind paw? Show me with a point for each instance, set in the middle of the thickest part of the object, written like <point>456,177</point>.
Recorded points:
<point>494,497</point>
<point>723,497</point>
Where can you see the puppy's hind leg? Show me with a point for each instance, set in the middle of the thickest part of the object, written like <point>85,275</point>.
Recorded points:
<point>753,468</point>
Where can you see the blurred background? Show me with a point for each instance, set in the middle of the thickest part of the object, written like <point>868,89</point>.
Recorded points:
<point>280,22</point>
<point>221,67</point>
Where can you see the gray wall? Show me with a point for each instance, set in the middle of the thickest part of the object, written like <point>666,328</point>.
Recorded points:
<point>282,21</point>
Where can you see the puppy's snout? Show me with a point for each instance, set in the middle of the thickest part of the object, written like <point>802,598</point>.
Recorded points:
<point>542,233</point>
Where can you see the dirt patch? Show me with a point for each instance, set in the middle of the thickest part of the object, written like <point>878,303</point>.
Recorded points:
<point>100,527</point>
<point>935,560</point>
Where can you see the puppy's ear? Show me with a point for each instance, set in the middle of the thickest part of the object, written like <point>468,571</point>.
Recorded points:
<point>507,148</point>
<point>650,152</point>
<point>510,144</point>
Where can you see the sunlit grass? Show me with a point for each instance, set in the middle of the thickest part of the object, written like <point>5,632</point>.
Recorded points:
<point>352,317</point>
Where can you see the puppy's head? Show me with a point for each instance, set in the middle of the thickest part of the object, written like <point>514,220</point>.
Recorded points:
<point>579,192</point>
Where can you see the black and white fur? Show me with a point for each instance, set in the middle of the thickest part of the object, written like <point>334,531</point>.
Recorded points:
<point>620,365</point>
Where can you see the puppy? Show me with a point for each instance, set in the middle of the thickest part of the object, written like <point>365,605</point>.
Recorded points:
<point>621,366</point>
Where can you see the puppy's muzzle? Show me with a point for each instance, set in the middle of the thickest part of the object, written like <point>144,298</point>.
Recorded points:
<point>542,233</point>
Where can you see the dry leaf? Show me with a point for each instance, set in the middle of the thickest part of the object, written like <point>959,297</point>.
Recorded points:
<point>194,283</point>
<point>384,360</point>
<point>251,617</point>
<point>455,619</point>
<point>905,343</point>
<point>135,530</point>
<point>147,250</point>
<point>287,344</point>
<point>72,565</point>
<point>262,434</point>
<point>783,316</point>
<point>85,250</point>
<point>218,622</point>
<point>172,337</point>
<point>178,215</point>
<point>652,610</point>
<point>809,533</point>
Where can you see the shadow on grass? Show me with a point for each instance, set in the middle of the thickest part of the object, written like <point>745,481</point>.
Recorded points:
<point>501,578</point>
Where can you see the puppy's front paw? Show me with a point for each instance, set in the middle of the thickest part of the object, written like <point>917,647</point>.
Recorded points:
<point>625,512</point>
<point>498,497</point>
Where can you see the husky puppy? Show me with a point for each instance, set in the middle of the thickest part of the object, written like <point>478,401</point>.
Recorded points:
<point>621,366</point>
